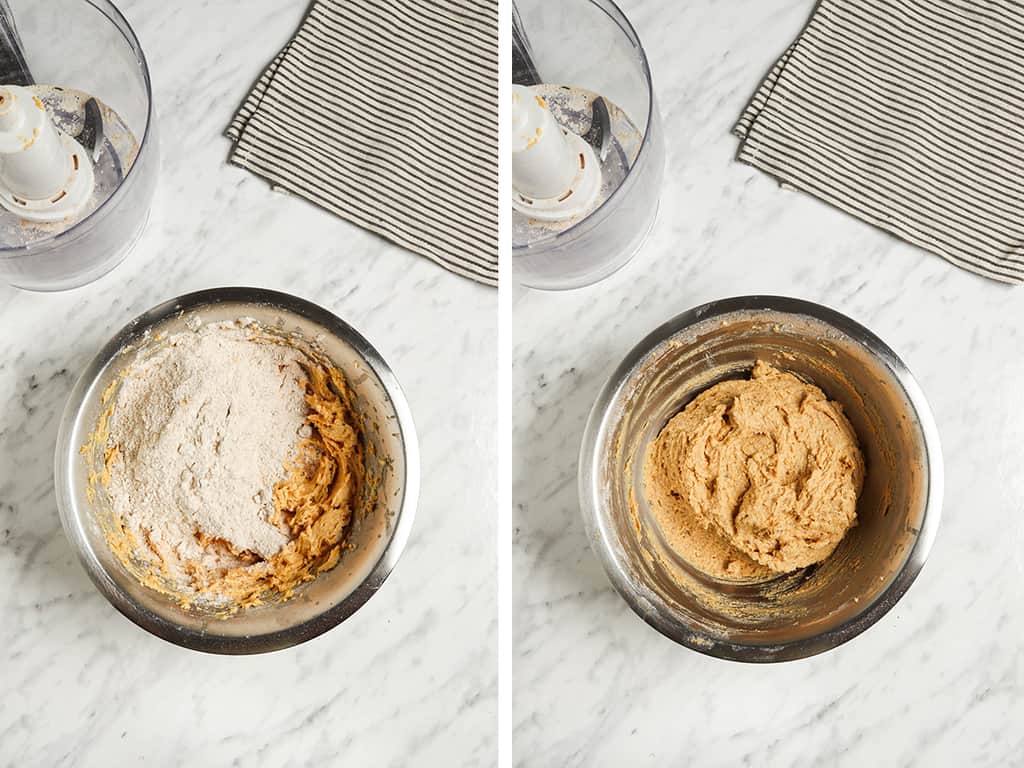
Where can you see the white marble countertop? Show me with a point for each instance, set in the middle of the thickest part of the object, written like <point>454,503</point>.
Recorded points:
<point>939,680</point>
<point>410,679</point>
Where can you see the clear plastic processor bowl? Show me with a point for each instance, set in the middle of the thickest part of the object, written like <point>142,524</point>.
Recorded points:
<point>590,44</point>
<point>821,606</point>
<point>88,46</point>
<point>379,534</point>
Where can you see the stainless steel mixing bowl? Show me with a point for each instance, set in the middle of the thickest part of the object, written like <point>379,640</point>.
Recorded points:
<point>822,606</point>
<point>380,532</point>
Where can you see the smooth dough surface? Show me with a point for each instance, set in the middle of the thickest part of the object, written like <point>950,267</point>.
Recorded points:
<point>755,477</point>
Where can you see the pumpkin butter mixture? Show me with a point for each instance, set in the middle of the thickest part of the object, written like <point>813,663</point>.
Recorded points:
<point>233,462</point>
<point>755,477</point>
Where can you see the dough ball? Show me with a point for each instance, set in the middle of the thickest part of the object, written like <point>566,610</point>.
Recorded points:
<point>768,467</point>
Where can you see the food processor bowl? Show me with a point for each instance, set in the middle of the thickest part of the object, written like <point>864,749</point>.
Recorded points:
<point>581,48</point>
<point>76,50</point>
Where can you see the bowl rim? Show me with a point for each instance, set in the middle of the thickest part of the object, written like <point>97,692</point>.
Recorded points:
<point>657,614</point>
<point>208,640</point>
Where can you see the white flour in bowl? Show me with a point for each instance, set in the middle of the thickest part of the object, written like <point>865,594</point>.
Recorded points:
<point>204,429</point>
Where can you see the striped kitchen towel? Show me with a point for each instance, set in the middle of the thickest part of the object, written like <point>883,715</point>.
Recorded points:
<point>384,112</point>
<point>908,114</point>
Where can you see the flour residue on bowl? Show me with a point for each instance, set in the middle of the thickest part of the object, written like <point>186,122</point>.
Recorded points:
<point>232,464</point>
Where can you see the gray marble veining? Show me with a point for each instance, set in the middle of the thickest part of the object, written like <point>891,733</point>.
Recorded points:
<point>940,680</point>
<point>410,679</point>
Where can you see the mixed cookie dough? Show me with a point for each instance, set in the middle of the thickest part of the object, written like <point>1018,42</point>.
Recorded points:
<point>755,477</point>
<point>233,465</point>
